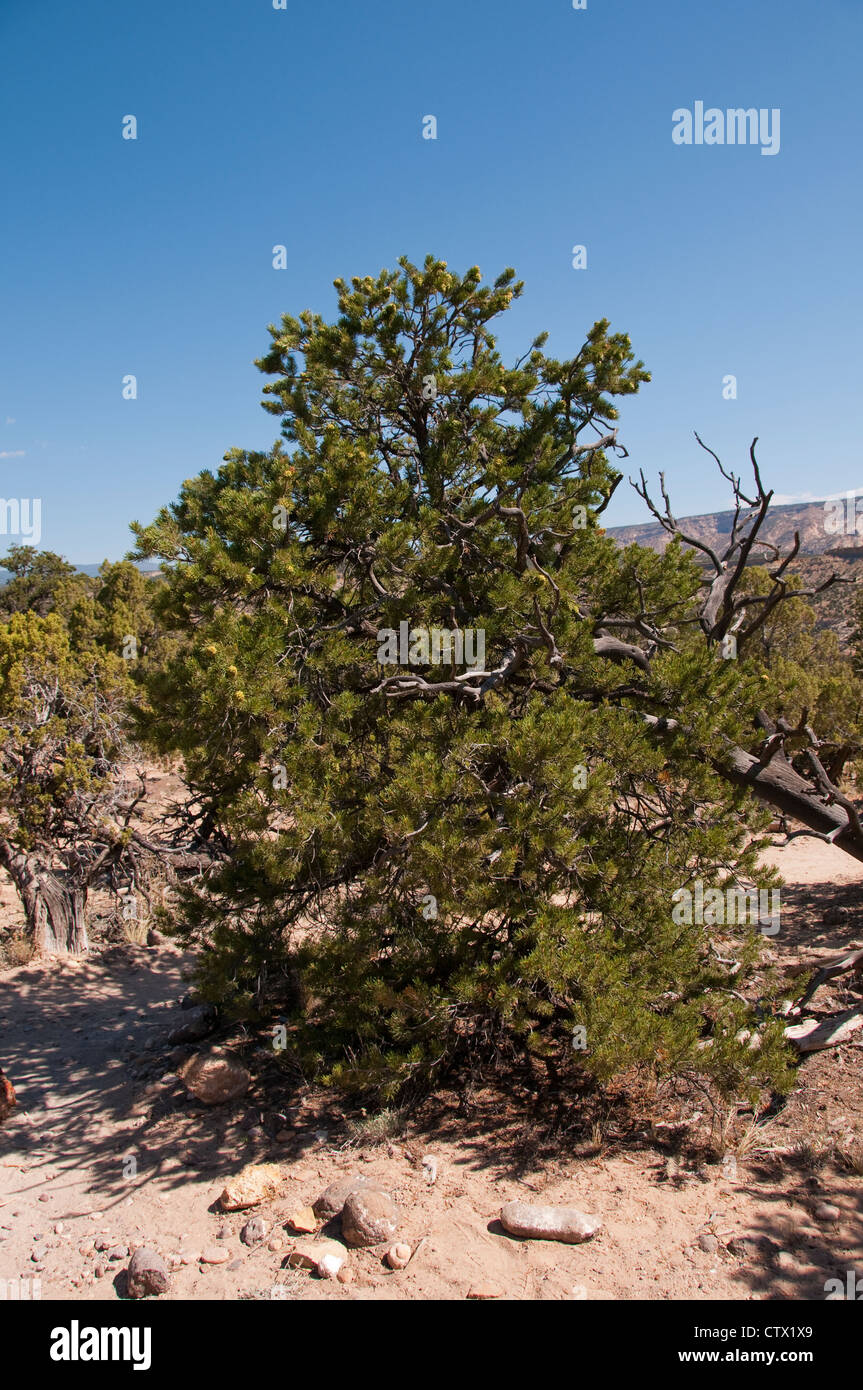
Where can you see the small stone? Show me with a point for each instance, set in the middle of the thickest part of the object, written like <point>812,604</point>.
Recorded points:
<point>118,1252</point>
<point>333,1198</point>
<point>59,1228</point>
<point>39,1253</point>
<point>785,1259</point>
<point>566,1224</point>
<point>345,1275</point>
<point>307,1254</point>
<point>369,1217</point>
<point>254,1231</point>
<point>102,1243</point>
<point>44,1197</point>
<point>304,1221</point>
<point>398,1256</point>
<point>214,1255</point>
<point>197,1023</point>
<point>708,1243</point>
<point>147,1274</point>
<point>276,1244</point>
<point>328,1266</point>
<point>99,1272</point>
<point>481,1291</point>
<point>215,1080</point>
<point>252,1185</point>
<point>827,1213</point>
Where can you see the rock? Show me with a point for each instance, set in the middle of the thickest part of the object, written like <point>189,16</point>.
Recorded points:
<point>485,1290</point>
<point>785,1259</point>
<point>276,1244</point>
<point>328,1266</point>
<point>304,1221</point>
<point>333,1198</point>
<point>254,1231</point>
<point>147,1275</point>
<point>252,1185</point>
<point>369,1216</point>
<point>118,1252</point>
<point>827,1213</point>
<point>99,1272</point>
<point>214,1255</point>
<point>566,1224</point>
<point>708,1243</point>
<point>39,1253</point>
<point>307,1254</point>
<point>345,1275</point>
<point>429,1166</point>
<point>214,1080</point>
<point>59,1228</point>
<point>398,1256</point>
<point>197,1023</point>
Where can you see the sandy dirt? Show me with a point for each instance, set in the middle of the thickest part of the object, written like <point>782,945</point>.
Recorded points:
<point>108,1148</point>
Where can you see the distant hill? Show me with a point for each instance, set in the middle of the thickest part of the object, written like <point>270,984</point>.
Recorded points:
<point>808,518</point>
<point>92,570</point>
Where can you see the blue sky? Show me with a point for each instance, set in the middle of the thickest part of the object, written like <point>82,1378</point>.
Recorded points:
<point>303,126</point>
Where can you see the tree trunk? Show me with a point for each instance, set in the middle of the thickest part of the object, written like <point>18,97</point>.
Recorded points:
<point>778,784</point>
<point>54,909</point>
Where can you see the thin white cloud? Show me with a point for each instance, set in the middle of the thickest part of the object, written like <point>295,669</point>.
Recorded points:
<point>785,499</point>
<point>9,420</point>
<point>12,453</point>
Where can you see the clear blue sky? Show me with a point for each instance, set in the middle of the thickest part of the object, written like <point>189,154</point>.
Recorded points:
<point>259,126</point>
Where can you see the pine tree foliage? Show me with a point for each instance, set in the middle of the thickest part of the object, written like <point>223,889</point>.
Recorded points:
<point>449,861</point>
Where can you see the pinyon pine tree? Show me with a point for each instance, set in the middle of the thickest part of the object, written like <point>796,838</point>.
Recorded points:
<point>450,862</point>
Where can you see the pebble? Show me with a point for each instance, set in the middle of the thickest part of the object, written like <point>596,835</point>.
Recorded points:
<point>214,1256</point>
<point>708,1243</point>
<point>369,1217</point>
<point>276,1244</point>
<point>252,1185</point>
<point>304,1221</point>
<point>308,1254</point>
<point>147,1274</point>
<point>398,1256</point>
<point>254,1231</point>
<point>482,1291</point>
<point>827,1213</point>
<point>566,1224</point>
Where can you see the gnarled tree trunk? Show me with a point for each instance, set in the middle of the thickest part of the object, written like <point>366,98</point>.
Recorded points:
<point>54,909</point>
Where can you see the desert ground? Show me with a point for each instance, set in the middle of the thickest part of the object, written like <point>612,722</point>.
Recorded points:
<point>108,1151</point>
